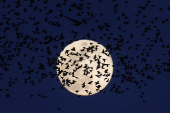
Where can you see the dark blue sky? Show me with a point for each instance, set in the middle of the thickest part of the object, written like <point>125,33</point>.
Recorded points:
<point>30,35</point>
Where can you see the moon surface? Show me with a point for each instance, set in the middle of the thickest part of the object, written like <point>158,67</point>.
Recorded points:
<point>84,67</point>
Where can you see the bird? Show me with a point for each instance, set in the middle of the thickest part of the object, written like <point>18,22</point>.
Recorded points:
<point>28,39</point>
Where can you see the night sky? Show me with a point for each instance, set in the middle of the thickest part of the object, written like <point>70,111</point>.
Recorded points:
<point>135,32</point>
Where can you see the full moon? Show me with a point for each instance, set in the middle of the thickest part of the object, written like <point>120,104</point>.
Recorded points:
<point>84,67</point>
